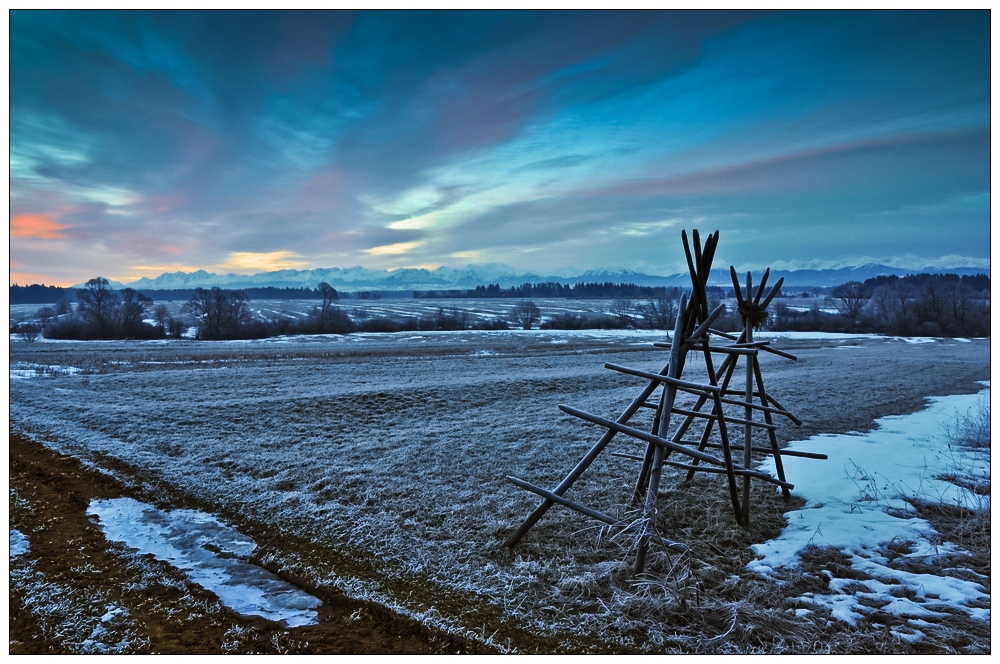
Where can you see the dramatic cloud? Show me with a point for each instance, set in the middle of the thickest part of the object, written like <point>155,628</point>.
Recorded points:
<point>266,140</point>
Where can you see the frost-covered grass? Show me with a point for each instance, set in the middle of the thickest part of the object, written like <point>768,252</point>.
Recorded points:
<point>378,467</point>
<point>82,621</point>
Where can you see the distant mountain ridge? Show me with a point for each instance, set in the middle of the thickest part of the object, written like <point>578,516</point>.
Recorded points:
<point>470,276</point>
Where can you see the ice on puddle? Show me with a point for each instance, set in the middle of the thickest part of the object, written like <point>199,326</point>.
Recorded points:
<point>854,503</point>
<point>210,553</point>
<point>18,543</point>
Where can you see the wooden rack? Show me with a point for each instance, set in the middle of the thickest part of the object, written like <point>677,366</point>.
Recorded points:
<point>693,333</point>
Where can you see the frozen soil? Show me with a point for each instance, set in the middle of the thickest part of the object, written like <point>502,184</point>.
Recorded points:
<point>371,473</point>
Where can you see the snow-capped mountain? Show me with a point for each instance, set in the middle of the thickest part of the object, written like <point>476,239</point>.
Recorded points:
<point>470,276</point>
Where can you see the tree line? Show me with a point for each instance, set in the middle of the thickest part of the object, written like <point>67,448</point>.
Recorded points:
<point>921,305</point>
<point>914,305</point>
<point>552,289</point>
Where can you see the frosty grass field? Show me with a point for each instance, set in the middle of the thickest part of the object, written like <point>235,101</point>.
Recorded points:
<point>375,464</point>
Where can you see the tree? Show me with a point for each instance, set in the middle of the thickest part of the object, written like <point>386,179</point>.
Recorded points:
<point>220,313</point>
<point>98,305</point>
<point>659,314</point>
<point>330,295</point>
<point>162,315</point>
<point>526,314</point>
<point>622,309</point>
<point>851,299</point>
<point>132,310</point>
<point>27,332</point>
<point>45,314</point>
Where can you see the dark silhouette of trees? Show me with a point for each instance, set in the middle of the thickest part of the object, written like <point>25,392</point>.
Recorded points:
<point>219,313</point>
<point>850,299</point>
<point>525,314</point>
<point>330,296</point>
<point>98,305</point>
<point>132,310</point>
<point>622,309</point>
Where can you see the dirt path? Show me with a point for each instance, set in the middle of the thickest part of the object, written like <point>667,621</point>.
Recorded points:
<point>163,611</point>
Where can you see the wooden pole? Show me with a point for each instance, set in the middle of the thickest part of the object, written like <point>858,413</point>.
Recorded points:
<point>747,428</point>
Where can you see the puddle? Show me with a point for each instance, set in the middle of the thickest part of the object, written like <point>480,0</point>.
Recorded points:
<point>210,553</point>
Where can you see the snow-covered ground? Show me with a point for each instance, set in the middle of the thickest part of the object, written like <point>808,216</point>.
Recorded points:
<point>189,540</point>
<point>857,502</point>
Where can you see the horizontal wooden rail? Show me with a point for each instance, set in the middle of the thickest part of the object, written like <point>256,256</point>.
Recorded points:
<point>694,388</point>
<point>642,435</point>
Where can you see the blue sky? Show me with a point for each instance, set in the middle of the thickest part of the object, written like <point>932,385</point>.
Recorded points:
<point>144,142</point>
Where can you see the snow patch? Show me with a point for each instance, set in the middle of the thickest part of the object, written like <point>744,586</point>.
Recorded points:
<point>18,543</point>
<point>25,370</point>
<point>855,502</point>
<point>210,553</point>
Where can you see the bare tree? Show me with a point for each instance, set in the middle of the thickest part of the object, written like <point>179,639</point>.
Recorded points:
<point>220,313</point>
<point>330,295</point>
<point>45,314</point>
<point>28,332</point>
<point>659,314</point>
<point>98,305</point>
<point>850,299</point>
<point>162,315</point>
<point>526,314</point>
<point>622,309</point>
<point>132,309</point>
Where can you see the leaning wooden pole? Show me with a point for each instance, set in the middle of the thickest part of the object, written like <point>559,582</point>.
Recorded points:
<point>667,404</point>
<point>747,428</point>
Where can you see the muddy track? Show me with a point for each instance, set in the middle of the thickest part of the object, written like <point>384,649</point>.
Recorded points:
<point>167,614</point>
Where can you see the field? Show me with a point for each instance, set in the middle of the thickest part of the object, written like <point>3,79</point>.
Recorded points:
<point>370,469</point>
<point>476,310</point>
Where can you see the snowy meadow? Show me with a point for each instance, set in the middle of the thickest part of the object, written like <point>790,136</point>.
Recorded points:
<point>375,464</point>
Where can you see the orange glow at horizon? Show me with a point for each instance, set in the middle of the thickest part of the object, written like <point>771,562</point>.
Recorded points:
<point>37,226</point>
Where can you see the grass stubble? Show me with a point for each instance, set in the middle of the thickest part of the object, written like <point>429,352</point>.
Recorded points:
<point>421,531</point>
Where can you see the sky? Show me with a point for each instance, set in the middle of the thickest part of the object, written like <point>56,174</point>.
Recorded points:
<point>243,142</point>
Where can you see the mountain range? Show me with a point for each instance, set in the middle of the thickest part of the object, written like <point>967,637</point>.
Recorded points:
<point>468,277</point>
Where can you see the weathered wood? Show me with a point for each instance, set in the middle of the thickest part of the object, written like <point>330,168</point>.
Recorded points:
<point>730,471</point>
<point>769,450</point>
<point>774,291</point>
<point>583,509</point>
<point>739,472</point>
<point>736,286</point>
<point>732,420</point>
<point>630,457</point>
<point>582,466</point>
<point>765,409</point>
<point>729,350</point>
<point>693,388</point>
<point>747,428</point>
<point>703,328</point>
<point>762,346</point>
<point>656,467</point>
<point>760,287</point>
<point>778,466</point>
<point>675,367</point>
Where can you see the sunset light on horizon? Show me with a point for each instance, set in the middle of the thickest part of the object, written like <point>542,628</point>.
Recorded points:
<point>249,141</point>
